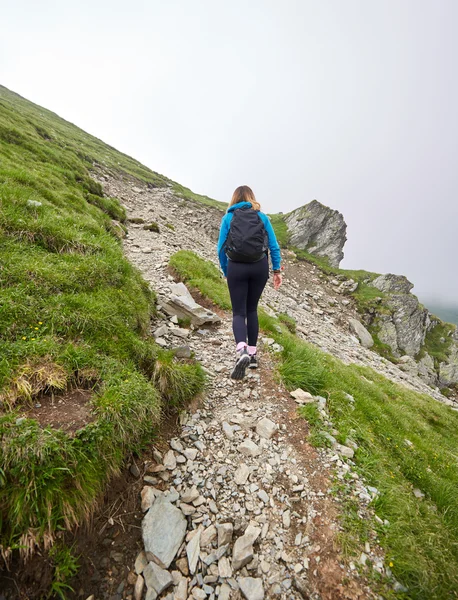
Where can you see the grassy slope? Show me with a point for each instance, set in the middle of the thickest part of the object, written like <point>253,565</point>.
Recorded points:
<point>421,539</point>
<point>73,312</point>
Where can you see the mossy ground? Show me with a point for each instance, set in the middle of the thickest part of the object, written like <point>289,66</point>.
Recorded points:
<point>73,312</point>
<point>405,440</point>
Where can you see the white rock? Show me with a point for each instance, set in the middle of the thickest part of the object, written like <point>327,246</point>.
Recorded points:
<point>242,474</point>
<point>249,448</point>
<point>148,497</point>
<point>286,518</point>
<point>224,592</point>
<point>157,578</point>
<point>301,396</point>
<point>181,591</point>
<point>193,551</point>
<point>139,587</point>
<point>190,495</point>
<point>251,588</point>
<point>170,461</point>
<point>224,568</point>
<point>228,431</point>
<point>266,428</point>
<point>160,541</point>
<point>243,552</point>
<point>208,535</point>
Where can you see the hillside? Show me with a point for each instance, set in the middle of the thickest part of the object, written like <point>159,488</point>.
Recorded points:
<point>344,489</point>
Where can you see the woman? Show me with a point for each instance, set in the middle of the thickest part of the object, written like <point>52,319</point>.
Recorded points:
<point>245,238</point>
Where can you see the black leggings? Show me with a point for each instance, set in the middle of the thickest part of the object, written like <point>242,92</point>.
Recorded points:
<point>246,282</point>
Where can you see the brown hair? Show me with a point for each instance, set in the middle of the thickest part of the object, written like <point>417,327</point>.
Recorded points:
<point>245,194</point>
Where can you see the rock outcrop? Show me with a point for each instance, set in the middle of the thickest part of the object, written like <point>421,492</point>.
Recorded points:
<point>319,230</point>
<point>403,324</point>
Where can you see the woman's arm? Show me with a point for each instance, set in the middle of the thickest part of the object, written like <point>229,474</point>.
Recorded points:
<point>274,248</point>
<point>224,230</point>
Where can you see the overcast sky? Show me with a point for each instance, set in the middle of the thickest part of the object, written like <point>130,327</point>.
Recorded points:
<point>353,103</point>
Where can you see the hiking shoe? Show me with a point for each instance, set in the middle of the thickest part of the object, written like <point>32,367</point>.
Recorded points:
<point>253,362</point>
<point>242,363</point>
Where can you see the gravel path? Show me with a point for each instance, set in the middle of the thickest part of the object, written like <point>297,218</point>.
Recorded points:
<point>239,505</point>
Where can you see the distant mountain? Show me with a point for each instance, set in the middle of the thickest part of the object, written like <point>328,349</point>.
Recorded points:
<point>445,312</point>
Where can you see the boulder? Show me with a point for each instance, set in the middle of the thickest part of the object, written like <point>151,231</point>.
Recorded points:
<point>181,304</point>
<point>163,542</point>
<point>319,230</point>
<point>363,335</point>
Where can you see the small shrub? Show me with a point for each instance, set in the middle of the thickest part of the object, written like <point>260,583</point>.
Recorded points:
<point>136,220</point>
<point>170,226</point>
<point>153,226</point>
<point>65,567</point>
<point>288,321</point>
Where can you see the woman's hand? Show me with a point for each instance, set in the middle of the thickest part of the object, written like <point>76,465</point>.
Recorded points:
<point>278,279</point>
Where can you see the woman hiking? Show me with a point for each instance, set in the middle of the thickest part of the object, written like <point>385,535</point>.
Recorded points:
<point>245,238</point>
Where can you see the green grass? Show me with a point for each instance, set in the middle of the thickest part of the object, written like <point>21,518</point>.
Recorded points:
<point>73,313</point>
<point>421,540</point>
<point>438,342</point>
<point>65,567</point>
<point>281,229</point>
<point>202,275</point>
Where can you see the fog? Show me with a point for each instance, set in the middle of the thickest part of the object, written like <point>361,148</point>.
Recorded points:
<point>351,103</point>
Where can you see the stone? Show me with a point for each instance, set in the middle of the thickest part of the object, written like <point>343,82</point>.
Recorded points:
<point>228,431</point>
<point>224,568</point>
<point>225,532</point>
<point>190,453</point>
<point>181,591</point>
<point>140,562</point>
<point>262,495</point>
<point>224,592</point>
<point>182,352</point>
<point>249,448</point>
<point>418,493</point>
<point>301,396</point>
<point>208,535</point>
<point>193,551</point>
<point>190,495</point>
<point>241,475</point>
<point>161,331</point>
<point>170,461</point>
<point>139,587</point>
<point>251,588</point>
<point>198,594</point>
<point>319,230</point>
<point>34,203</point>
<point>286,519</point>
<point>135,471</point>
<point>182,565</point>
<point>266,428</point>
<point>157,578</point>
<point>163,542</point>
<point>243,551</point>
<point>182,304</point>
<point>361,332</point>
<point>148,497</point>
<point>345,451</point>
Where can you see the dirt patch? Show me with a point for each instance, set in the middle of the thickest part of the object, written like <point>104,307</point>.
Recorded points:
<point>106,546</point>
<point>69,412</point>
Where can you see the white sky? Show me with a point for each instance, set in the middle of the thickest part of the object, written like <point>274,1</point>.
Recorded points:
<point>354,103</point>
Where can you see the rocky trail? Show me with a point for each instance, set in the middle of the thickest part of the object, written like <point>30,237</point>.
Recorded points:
<point>234,502</point>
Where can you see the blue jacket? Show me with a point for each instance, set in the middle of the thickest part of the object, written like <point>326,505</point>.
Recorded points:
<point>274,248</point>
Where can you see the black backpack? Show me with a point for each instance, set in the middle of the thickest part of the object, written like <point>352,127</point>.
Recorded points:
<point>247,240</point>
